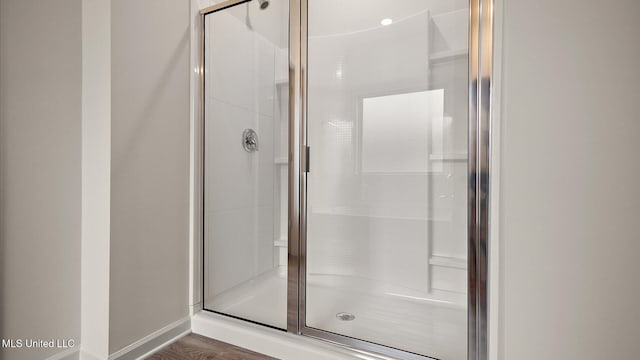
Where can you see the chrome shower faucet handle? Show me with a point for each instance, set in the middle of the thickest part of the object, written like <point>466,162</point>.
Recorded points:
<point>250,140</point>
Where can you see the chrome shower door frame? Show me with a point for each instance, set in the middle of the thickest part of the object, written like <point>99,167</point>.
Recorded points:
<point>479,103</point>
<point>479,107</point>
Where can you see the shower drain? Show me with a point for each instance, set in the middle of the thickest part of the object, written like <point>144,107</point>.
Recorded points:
<point>345,316</point>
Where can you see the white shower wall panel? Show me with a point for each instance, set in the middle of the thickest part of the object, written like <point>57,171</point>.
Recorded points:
<point>387,249</point>
<point>401,226</point>
<point>229,58</point>
<point>230,248</point>
<point>239,185</point>
<point>265,177</point>
<point>230,171</point>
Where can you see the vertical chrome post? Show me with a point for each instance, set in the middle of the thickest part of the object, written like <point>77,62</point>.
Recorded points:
<point>302,149</point>
<point>480,76</point>
<point>484,156</point>
<point>474,8</point>
<point>200,130</point>
<point>295,143</point>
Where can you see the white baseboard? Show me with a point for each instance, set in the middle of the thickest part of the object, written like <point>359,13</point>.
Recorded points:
<point>154,341</point>
<point>69,354</point>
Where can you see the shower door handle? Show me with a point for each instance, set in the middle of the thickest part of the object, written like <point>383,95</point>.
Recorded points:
<point>307,151</point>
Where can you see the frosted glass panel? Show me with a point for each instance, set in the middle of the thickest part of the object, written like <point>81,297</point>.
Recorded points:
<point>386,258</point>
<point>245,179</point>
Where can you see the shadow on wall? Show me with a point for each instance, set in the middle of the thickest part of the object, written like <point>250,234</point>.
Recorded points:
<point>147,113</point>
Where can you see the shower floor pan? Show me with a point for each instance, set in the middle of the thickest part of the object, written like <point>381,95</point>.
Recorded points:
<point>418,324</point>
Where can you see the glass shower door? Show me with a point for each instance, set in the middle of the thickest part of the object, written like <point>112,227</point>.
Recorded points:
<point>386,215</point>
<point>245,167</point>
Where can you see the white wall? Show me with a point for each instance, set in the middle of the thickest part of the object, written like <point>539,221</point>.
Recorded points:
<point>96,176</point>
<point>40,111</point>
<point>149,167</point>
<point>569,234</point>
<point>49,80</point>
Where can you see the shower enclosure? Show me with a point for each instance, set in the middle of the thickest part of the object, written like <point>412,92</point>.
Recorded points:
<point>345,170</point>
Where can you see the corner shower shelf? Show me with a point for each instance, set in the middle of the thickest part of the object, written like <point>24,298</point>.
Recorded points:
<point>282,82</point>
<point>282,242</point>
